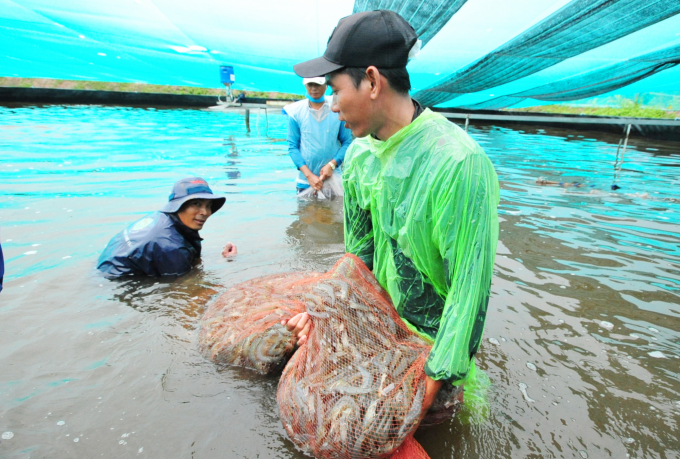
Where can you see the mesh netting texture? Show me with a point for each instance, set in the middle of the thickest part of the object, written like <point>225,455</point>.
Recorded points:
<point>577,27</point>
<point>410,449</point>
<point>427,17</point>
<point>592,83</point>
<point>243,327</point>
<point>356,388</point>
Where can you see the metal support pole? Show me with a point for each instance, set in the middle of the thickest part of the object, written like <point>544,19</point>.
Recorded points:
<point>248,119</point>
<point>266,118</point>
<point>625,144</point>
<point>618,148</point>
<point>467,122</point>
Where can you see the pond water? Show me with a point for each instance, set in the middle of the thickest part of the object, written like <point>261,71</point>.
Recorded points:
<point>584,309</point>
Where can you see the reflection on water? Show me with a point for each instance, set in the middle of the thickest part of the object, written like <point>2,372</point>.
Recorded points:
<point>182,299</point>
<point>584,309</point>
<point>316,235</point>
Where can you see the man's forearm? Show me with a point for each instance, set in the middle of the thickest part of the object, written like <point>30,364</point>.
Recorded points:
<point>431,388</point>
<point>306,171</point>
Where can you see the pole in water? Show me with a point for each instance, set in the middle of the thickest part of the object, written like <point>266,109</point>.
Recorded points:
<point>467,122</point>
<point>257,122</point>
<point>248,120</point>
<point>616,161</point>
<point>618,148</point>
<point>625,144</point>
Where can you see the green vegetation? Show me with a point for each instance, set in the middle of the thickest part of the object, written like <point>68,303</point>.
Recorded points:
<point>132,87</point>
<point>626,107</point>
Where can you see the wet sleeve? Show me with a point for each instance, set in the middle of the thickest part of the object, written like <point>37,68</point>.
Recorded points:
<point>173,261</point>
<point>345,137</point>
<point>466,232</point>
<point>358,229</point>
<point>156,258</point>
<point>294,143</point>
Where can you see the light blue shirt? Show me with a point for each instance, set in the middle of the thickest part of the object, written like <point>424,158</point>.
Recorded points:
<point>315,137</point>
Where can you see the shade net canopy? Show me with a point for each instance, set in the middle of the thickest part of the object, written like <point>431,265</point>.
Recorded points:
<point>474,51</point>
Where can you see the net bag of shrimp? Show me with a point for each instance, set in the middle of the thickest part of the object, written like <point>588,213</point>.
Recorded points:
<point>355,389</point>
<point>243,326</point>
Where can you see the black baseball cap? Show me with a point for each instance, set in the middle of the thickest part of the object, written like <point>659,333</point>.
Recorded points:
<point>191,188</point>
<point>381,38</point>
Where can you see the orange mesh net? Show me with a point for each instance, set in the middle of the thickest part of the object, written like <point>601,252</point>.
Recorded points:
<point>356,388</point>
<point>410,449</point>
<point>243,327</point>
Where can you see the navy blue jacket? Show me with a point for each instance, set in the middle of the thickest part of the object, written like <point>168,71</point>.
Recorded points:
<point>157,245</point>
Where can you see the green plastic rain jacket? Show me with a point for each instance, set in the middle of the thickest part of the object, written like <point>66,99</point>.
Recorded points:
<point>421,212</point>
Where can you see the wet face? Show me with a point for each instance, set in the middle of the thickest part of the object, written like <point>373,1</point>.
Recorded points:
<point>353,105</point>
<point>316,91</point>
<point>195,212</point>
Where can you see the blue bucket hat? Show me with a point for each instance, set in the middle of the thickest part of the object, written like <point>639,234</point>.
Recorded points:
<point>191,188</point>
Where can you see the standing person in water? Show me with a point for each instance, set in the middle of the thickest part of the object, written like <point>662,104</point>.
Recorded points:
<point>317,139</point>
<point>165,242</point>
<point>421,196</point>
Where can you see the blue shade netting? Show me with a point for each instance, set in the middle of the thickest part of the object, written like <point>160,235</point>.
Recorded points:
<point>592,83</point>
<point>476,50</point>
<point>579,26</point>
<point>427,17</point>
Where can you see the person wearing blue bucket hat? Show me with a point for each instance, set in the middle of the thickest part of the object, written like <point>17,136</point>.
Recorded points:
<point>165,242</point>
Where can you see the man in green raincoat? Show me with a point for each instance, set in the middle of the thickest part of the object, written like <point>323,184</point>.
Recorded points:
<point>421,195</point>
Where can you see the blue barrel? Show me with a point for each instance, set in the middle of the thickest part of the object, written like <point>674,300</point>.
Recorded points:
<point>227,74</point>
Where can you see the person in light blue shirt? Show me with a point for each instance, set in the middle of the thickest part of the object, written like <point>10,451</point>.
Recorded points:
<point>317,139</point>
